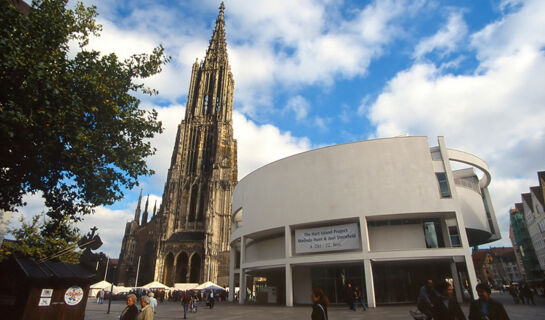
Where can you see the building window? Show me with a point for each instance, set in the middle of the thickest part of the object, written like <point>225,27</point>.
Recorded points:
<point>430,235</point>
<point>454,236</point>
<point>443,185</point>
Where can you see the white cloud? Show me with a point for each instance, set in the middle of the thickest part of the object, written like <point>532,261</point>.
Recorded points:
<point>287,21</point>
<point>111,228</point>
<point>524,28</point>
<point>322,123</point>
<point>272,44</point>
<point>260,145</point>
<point>299,106</point>
<point>170,116</point>
<point>496,113</point>
<point>446,39</point>
<point>297,43</point>
<point>363,108</point>
<point>173,81</point>
<point>501,107</point>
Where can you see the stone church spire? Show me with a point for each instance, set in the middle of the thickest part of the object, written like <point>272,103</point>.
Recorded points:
<point>145,215</point>
<point>137,211</point>
<point>188,240</point>
<point>211,88</point>
<point>217,49</point>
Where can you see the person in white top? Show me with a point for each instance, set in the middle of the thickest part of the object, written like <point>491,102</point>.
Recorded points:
<point>153,302</point>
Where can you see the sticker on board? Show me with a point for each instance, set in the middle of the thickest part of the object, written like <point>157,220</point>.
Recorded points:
<point>73,295</point>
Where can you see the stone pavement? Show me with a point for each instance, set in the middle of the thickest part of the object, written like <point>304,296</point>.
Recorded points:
<point>231,311</point>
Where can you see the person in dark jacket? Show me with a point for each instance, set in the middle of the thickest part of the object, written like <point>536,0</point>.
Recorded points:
<point>319,304</point>
<point>185,299</point>
<point>211,299</point>
<point>424,301</point>
<point>349,295</point>
<point>526,294</point>
<point>486,308</point>
<point>445,305</point>
<point>131,311</point>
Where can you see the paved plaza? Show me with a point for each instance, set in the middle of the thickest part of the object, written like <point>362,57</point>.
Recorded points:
<point>231,311</point>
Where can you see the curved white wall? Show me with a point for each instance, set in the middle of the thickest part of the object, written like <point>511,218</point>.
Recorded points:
<point>265,250</point>
<point>366,178</point>
<point>388,187</point>
<point>472,207</point>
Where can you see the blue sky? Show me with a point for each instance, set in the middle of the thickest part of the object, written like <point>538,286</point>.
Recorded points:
<point>316,73</point>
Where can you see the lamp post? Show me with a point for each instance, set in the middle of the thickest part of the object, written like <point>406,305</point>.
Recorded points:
<point>112,288</point>
<point>137,272</point>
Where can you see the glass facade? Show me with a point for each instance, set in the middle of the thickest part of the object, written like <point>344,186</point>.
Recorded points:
<point>333,280</point>
<point>399,281</point>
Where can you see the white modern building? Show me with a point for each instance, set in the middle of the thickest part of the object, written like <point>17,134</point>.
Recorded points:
<point>384,215</point>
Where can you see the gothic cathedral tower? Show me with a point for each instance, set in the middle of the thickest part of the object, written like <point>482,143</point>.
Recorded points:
<point>188,240</point>
<point>203,172</point>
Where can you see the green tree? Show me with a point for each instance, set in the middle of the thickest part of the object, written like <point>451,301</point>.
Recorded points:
<point>38,240</point>
<point>70,123</point>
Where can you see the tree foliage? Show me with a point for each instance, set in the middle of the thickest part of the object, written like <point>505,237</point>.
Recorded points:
<point>70,123</point>
<point>39,240</point>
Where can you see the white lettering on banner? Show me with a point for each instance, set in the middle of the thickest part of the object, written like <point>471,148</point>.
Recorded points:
<point>330,238</point>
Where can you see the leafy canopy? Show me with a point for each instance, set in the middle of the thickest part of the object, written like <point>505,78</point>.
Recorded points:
<point>36,239</point>
<point>70,123</point>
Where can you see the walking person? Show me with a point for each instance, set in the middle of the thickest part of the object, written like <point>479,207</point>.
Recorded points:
<point>101,295</point>
<point>527,293</point>
<point>445,305</point>
<point>147,311</point>
<point>319,305</point>
<point>513,291</point>
<point>486,308</point>
<point>185,299</point>
<point>211,298</point>
<point>131,310</point>
<point>153,302</point>
<point>349,295</point>
<point>424,301</point>
<point>194,302</point>
<point>522,297</point>
<point>358,299</point>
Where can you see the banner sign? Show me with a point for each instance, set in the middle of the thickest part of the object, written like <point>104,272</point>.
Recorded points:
<point>330,238</point>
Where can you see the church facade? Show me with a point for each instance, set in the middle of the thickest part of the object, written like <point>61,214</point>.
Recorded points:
<point>187,240</point>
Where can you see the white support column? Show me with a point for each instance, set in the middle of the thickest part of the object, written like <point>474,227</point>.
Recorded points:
<point>289,277</point>
<point>446,233</point>
<point>472,276</point>
<point>242,288</point>
<point>364,236</point>
<point>287,238</point>
<point>289,286</point>
<point>456,282</point>
<point>242,279</point>
<point>369,285</point>
<point>232,257</point>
